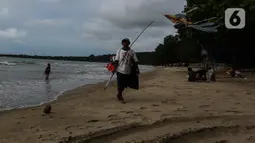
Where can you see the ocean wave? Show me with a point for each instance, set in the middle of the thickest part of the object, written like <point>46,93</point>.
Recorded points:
<point>65,64</point>
<point>24,62</point>
<point>13,63</point>
<point>81,72</point>
<point>7,63</point>
<point>58,63</point>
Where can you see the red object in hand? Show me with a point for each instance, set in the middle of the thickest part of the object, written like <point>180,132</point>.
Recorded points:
<point>110,67</point>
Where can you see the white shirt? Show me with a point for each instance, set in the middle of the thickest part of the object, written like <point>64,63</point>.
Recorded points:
<point>124,58</point>
<point>209,74</point>
<point>203,52</point>
<point>237,72</point>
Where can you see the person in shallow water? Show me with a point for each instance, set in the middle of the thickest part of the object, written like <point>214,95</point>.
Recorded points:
<point>126,63</point>
<point>47,72</point>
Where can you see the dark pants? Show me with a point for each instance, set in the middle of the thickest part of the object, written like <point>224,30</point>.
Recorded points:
<point>47,76</point>
<point>201,75</point>
<point>204,61</point>
<point>122,83</point>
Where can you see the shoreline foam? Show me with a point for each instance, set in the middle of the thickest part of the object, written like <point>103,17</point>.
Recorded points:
<point>63,93</point>
<point>55,96</point>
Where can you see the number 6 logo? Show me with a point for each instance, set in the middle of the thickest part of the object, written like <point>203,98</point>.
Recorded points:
<point>234,18</point>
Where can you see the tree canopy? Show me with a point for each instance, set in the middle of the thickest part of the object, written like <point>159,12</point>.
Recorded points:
<point>229,46</point>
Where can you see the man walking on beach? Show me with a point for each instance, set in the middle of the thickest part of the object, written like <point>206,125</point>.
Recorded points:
<point>127,69</point>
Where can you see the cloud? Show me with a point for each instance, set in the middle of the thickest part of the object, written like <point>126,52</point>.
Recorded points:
<point>50,1</point>
<point>46,22</point>
<point>99,29</point>
<point>12,33</point>
<point>4,12</point>
<point>18,41</point>
<point>131,15</point>
<point>119,18</point>
<point>83,27</point>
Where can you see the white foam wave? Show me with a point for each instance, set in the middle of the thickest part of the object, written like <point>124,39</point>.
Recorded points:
<point>65,64</point>
<point>13,63</point>
<point>7,63</point>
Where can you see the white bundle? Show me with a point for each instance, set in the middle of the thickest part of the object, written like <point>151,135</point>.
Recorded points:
<point>209,74</point>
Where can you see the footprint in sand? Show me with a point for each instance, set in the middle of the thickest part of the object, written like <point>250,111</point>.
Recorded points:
<point>89,126</point>
<point>222,141</point>
<point>67,127</point>
<point>169,101</point>
<point>157,111</point>
<point>218,91</point>
<point>181,109</point>
<point>164,102</point>
<point>131,114</point>
<point>143,108</point>
<point>154,105</point>
<point>136,115</point>
<point>250,127</point>
<point>165,116</point>
<point>203,106</point>
<point>248,93</point>
<point>233,111</point>
<point>251,138</point>
<point>127,112</point>
<point>177,93</point>
<point>92,121</point>
<point>114,118</point>
<point>32,127</point>
<point>40,136</point>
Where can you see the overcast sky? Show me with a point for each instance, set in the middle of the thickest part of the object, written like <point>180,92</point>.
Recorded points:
<point>82,27</point>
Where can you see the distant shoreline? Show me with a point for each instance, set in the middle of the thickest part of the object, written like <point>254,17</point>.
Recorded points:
<point>142,56</point>
<point>64,58</point>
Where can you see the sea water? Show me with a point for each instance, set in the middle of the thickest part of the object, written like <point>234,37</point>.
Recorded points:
<point>22,82</point>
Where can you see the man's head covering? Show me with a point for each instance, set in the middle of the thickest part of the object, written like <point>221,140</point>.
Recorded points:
<point>125,40</point>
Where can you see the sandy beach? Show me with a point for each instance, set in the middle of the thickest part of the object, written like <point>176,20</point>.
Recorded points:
<point>167,108</point>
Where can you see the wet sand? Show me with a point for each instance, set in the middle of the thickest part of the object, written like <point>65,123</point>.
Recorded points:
<point>167,108</point>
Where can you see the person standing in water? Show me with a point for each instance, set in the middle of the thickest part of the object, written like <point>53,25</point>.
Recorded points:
<point>126,63</point>
<point>47,72</point>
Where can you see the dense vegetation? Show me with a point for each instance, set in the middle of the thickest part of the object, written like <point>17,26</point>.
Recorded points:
<point>228,46</point>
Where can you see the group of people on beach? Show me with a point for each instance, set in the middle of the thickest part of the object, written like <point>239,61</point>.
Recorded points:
<point>209,74</point>
<point>233,72</point>
<point>201,75</point>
